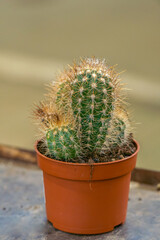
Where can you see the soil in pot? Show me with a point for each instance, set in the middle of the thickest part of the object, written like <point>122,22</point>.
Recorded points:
<point>113,154</point>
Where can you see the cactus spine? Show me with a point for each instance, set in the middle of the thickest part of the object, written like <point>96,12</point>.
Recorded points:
<point>87,95</point>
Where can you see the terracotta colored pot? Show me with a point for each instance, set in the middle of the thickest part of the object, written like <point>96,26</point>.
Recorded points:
<point>86,199</point>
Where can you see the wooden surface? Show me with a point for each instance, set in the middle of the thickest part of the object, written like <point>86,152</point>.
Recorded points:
<point>146,176</point>
<point>18,154</point>
<point>22,209</point>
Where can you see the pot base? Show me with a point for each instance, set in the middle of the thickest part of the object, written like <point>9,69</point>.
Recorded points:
<point>85,230</point>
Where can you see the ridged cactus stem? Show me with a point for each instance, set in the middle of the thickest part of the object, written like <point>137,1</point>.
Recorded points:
<point>119,130</point>
<point>63,143</point>
<point>90,91</point>
<point>92,104</point>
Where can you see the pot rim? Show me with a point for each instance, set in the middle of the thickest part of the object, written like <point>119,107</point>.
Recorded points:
<point>86,164</point>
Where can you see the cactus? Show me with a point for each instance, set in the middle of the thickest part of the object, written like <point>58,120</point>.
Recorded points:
<point>91,91</point>
<point>119,131</point>
<point>87,97</point>
<point>60,140</point>
<point>62,143</point>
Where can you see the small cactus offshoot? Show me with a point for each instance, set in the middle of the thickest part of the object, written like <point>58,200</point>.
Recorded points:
<point>83,114</point>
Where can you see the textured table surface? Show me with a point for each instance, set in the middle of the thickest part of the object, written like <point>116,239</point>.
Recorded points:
<point>22,210</point>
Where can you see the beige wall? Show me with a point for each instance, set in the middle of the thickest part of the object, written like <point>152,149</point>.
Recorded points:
<point>39,37</point>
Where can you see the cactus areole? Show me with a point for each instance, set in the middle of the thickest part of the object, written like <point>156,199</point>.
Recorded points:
<point>86,138</point>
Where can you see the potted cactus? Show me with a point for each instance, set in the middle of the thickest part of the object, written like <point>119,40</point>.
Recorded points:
<point>87,151</point>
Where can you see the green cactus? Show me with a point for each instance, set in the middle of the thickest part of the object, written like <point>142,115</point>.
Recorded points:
<point>92,103</point>
<point>61,140</point>
<point>93,94</point>
<point>86,95</point>
<point>119,130</point>
<point>63,143</point>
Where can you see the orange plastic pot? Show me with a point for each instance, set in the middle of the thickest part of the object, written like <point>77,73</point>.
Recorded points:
<point>86,199</point>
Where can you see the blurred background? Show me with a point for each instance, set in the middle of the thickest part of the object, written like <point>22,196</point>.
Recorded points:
<point>38,38</point>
